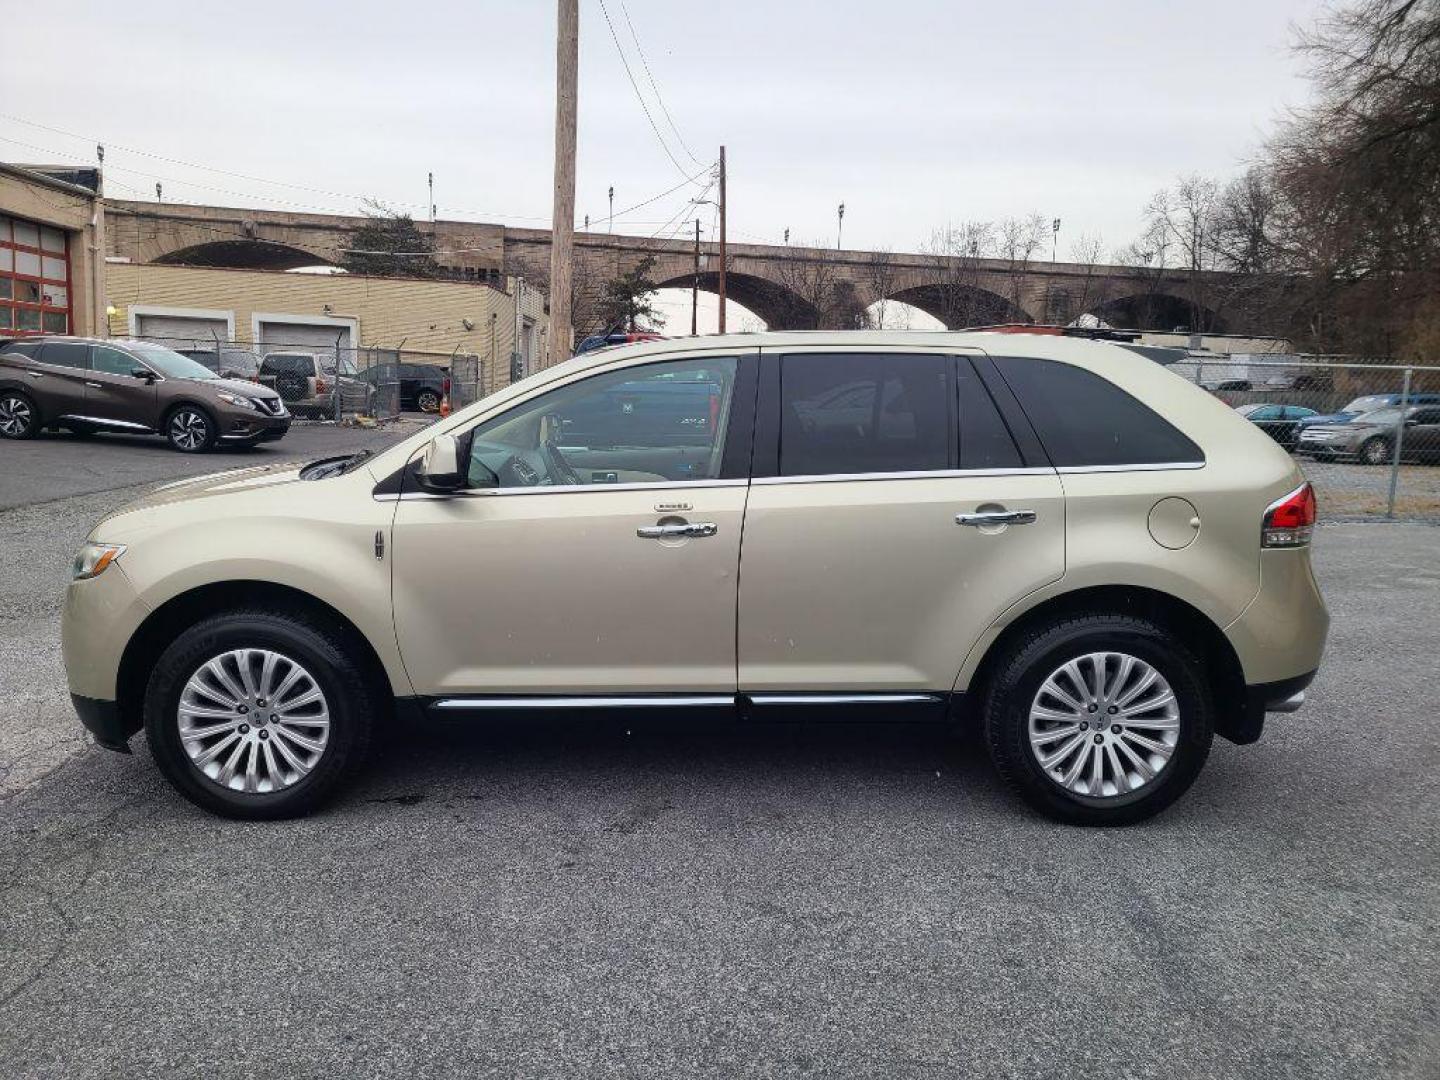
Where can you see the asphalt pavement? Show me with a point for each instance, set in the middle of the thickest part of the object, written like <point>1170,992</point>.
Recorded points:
<point>561,900</point>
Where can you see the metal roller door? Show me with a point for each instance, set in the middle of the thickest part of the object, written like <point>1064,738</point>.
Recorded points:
<point>181,331</point>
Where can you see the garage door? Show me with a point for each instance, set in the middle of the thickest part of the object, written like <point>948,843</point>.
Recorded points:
<point>310,337</point>
<point>181,331</point>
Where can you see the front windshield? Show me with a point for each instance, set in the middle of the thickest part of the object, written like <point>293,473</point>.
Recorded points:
<point>1367,403</point>
<point>171,364</point>
<point>1381,416</point>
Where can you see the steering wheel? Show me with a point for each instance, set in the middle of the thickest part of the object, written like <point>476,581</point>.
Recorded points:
<point>517,472</point>
<point>555,464</point>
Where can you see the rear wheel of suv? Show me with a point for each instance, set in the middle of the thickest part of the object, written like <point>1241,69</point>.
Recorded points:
<point>190,429</point>
<point>1375,451</point>
<point>1099,720</point>
<point>19,418</point>
<point>428,400</point>
<point>256,715</point>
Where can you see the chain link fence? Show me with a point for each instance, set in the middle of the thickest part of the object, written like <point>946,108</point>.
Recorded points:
<point>336,383</point>
<point>473,377</point>
<point>1367,435</point>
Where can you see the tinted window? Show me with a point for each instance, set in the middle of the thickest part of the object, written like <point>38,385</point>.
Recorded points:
<point>660,422</point>
<point>849,413</point>
<point>112,361</point>
<point>1265,412</point>
<point>1085,421</point>
<point>283,364</point>
<point>985,442</point>
<point>24,348</point>
<point>1427,416</point>
<point>71,354</point>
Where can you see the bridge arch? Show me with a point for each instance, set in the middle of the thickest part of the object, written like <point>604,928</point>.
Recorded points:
<point>959,306</point>
<point>1158,311</point>
<point>778,307</point>
<point>244,254</point>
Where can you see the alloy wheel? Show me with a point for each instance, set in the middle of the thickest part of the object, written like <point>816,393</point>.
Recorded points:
<point>1104,725</point>
<point>189,429</point>
<point>15,416</point>
<point>1376,452</point>
<point>253,721</point>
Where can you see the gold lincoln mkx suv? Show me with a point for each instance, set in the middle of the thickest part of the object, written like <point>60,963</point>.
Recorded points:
<point>1057,539</point>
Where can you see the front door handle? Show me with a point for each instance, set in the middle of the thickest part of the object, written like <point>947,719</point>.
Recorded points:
<point>996,517</point>
<point>36,374</point>
<point>95,385</point>
<point>665,532</point>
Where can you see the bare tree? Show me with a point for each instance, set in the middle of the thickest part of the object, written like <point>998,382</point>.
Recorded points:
<point>880,280</point>
<point>814,294</point>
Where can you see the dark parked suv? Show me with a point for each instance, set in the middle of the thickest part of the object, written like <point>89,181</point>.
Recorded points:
<point>89,385</point>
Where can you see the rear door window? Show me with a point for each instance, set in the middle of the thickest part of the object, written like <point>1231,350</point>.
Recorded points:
<point>1085,421</point>
<point>843,413</point>
<point>985,441</point>
<point>70,354</point>
<point>27,349</point>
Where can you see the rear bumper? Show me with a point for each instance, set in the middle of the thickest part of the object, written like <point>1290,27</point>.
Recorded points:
<point>103,720</point>
<point>1284,696</point>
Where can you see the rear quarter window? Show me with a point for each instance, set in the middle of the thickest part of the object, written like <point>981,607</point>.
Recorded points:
<point>1085,421</point>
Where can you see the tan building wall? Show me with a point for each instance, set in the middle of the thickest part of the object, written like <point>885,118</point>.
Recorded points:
<point>436,317</point>
<point>81,215</point>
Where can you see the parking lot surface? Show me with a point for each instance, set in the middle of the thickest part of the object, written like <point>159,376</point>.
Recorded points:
<point>609,900</point>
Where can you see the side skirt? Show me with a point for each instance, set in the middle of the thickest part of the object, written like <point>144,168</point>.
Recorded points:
<point>917,706</point>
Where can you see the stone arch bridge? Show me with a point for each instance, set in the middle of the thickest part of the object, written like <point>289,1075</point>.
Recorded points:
<point>788,287</point>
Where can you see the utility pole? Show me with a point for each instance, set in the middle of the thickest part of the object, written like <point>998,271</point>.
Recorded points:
<point>695,286</point>
<point>562,225</point>
<point>721,289</point>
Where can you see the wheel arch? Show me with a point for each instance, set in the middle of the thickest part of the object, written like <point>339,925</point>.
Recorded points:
<point>163,625</point>
<point>1223,670</point>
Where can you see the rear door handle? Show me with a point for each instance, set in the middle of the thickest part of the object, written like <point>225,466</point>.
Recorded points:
<point>996,517</point>
<point>662,532</point>
<point>95,385</point>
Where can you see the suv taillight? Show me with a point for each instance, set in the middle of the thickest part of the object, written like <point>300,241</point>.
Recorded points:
<point>1289,521</point>
<point>320,384</point>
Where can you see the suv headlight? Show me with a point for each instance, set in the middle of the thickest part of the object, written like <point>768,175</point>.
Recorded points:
<point>235,399</point>
<point>93,559</point>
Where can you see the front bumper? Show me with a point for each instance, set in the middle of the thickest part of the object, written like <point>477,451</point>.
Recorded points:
<point>104,721</point>
<point>246,427</point>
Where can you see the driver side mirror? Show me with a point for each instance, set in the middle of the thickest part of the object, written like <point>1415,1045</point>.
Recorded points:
<point>142,373</point>
<point>438,470</point>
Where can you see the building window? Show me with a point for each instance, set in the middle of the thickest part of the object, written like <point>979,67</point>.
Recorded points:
<point>34,278</point>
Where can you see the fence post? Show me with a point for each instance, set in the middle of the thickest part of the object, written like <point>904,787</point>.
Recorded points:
<point>1399,441</point>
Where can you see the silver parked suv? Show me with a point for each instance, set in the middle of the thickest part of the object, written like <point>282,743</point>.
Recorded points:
<point>1060,540</point>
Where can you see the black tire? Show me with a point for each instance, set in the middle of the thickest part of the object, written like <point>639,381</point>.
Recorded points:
<point>1026,665</point>
<point>427,401</point>
<point>1374,451</point>
<point>19,415</point>
<point>321,650</point>
<point>190,429</point>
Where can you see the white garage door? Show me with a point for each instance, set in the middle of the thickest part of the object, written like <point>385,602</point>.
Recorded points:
<point>181,331</point>
<point>310,337</point>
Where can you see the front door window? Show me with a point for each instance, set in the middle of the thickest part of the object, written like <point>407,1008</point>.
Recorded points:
<point>660,423</point>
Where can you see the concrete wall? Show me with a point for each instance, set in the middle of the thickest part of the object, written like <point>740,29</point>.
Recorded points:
<point>428,315</point>
<point>81,215</point>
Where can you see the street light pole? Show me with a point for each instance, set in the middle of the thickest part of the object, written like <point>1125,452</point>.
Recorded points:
<point>1054,238</point>
<point>840,229</point>
<point>611,226</point>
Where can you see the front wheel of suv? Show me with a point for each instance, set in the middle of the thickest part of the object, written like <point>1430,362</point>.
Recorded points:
<point>1375,451</point>
<point>1099,720</point>
<point>19,418</point>
<point>256,715</point>
<point>190,429</point>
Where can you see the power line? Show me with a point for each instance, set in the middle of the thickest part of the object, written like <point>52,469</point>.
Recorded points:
<point>660,98</point>
<point>638,95</point>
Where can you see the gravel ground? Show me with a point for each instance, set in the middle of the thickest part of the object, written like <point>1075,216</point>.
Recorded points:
<point>550,900</point>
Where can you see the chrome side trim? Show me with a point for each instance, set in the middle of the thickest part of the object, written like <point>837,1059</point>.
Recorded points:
<point>1070,470</point>
<point>934,474</point>
<point>844,699</point>
<point>107,423</point>
<point>582,702</point>
<point>562,489</point>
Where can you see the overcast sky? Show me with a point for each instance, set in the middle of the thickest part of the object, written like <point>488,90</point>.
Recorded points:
<point>914,113</point>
